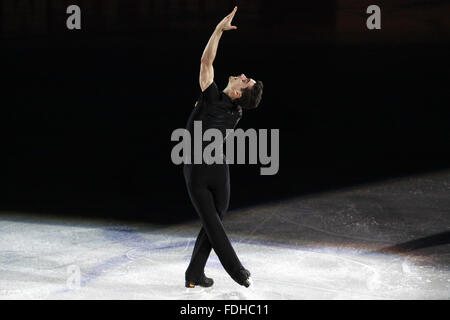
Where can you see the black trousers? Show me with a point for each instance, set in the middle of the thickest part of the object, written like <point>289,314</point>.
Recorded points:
<point>209,190</point>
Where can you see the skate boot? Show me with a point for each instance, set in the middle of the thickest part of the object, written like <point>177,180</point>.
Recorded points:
<point>243,277</point>
<point>204,281</point>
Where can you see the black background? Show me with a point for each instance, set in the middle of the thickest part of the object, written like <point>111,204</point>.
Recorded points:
<point>87,114</point>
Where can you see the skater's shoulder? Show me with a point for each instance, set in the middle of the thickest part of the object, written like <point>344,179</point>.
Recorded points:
<point>211,92</point>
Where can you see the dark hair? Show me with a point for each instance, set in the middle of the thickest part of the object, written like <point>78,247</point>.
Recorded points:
<point>251,97</point>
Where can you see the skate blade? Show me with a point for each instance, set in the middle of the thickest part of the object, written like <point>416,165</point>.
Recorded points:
<point>197,290</point>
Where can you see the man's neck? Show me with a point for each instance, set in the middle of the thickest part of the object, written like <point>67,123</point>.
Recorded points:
<point>227,92</point>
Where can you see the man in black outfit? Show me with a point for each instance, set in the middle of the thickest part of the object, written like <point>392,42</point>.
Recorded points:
<point>209,184</point>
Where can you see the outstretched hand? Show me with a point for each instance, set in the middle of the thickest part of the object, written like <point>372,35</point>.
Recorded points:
<point>225,24</point>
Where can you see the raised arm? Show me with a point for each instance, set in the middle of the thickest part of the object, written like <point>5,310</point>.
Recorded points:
<point>209,54</point>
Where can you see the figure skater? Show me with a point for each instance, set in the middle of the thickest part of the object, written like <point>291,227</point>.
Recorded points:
<point>208,185</point>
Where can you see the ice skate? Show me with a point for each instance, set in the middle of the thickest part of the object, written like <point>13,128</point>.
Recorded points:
<point>243,278</point>
<point>203,282</point>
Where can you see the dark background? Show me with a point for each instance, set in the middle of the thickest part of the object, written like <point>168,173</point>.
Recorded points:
<point>87,114</point>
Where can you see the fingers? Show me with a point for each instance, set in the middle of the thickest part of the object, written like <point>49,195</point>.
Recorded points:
<point>227,20</point>
<point>230,18</point>
<point>232,12</point>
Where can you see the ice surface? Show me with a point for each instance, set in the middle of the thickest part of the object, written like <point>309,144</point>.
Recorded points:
<point>368,242</point>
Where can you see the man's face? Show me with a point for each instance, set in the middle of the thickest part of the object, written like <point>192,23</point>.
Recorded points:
<point>240,82</point>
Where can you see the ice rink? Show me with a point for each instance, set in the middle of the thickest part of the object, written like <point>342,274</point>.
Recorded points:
<point>387,240</point>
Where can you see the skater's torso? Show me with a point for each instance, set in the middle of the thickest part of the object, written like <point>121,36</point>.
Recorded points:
<point>216,110</point>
